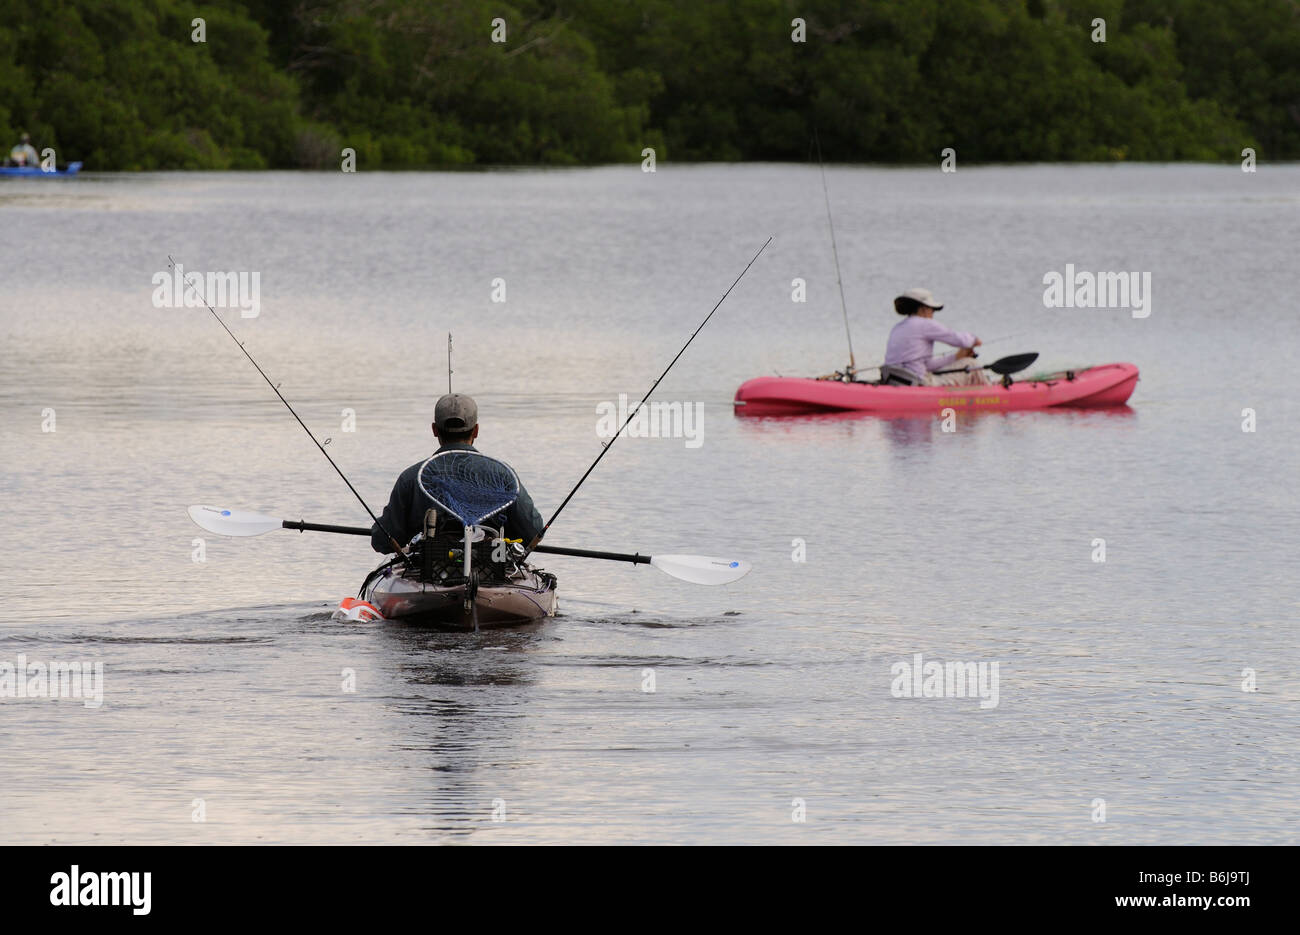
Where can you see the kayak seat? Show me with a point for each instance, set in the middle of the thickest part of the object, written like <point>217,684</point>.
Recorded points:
<point>891,375</point>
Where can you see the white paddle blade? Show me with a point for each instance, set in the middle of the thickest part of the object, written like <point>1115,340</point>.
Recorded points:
<point>232,522</point>
<point>700,569</point>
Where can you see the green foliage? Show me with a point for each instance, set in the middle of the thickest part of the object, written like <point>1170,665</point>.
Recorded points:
<point>120,84</point>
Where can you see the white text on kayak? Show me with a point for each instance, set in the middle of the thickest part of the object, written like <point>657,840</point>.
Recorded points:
<point>86,888</point>
<point>920,679</point>
<point>1130,290</point>
<point>178,289</point>
<point>24,679</point>
<point>653,420</point>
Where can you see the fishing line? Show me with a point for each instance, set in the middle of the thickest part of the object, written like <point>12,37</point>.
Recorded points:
<point>610,444</point>
<point>835,251</point>
<point>293,412</point>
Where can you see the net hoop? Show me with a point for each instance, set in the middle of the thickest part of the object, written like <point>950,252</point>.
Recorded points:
<point>468,485</point>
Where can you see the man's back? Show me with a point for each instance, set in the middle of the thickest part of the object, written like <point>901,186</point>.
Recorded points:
<point>461,487</point>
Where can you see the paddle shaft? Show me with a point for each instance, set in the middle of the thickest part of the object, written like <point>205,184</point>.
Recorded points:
<point>636,559</point>
<point>324,527</point>
<point>1013,363</point>
<point>587,553</point>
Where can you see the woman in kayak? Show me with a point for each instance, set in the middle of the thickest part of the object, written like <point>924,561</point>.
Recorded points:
<point>455,425</point>
<point>911,344</point>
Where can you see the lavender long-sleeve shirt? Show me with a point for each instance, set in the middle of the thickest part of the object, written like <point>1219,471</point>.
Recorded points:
<point>912,342</point>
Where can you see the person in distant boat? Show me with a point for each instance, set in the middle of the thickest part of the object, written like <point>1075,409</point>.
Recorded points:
<point>911,346</point>
<point>24,154</point>
<point>455,425</point>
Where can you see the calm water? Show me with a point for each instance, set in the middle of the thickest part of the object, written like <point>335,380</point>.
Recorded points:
<point>223,680</point>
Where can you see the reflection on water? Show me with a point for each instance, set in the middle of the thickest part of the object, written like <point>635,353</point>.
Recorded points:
<point>459,696</point>
<point>914,431</point>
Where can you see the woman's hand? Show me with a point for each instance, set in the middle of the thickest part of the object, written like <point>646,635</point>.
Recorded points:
<point>966,352</point>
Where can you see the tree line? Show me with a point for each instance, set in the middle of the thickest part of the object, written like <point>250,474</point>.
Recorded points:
<point>166,84</point>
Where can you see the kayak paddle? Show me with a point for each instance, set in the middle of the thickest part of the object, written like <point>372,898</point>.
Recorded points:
<point>697,569</point>
<point>1003,367</point>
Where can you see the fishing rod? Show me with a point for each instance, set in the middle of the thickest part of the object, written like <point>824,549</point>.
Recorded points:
<point>449,371</point>
<point>610,444</point>
<point>293,412</point>
<point>835,251</point>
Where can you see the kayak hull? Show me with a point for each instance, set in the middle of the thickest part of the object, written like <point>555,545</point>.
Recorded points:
<point>37,172</point>
<point>1094,387</point>
<point>525,598</point>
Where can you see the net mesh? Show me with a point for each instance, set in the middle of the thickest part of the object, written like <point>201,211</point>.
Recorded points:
<point>468,485</point>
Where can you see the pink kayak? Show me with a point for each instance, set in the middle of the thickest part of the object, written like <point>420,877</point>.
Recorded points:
<point>1094,387</point>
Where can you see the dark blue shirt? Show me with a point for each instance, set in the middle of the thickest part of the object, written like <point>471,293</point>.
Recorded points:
<point>404,515</point>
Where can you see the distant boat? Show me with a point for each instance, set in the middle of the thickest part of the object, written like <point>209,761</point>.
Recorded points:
<point>72,169</point>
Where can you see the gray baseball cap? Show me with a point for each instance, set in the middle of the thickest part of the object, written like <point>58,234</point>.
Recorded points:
<point>456,412</point>
<point>924,296</point>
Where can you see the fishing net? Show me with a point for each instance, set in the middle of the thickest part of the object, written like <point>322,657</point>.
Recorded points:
<point>468,485</point>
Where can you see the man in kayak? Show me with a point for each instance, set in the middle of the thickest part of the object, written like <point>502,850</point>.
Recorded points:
<point>24,154</point>
<point>911,344</point>
<point>455,425</point>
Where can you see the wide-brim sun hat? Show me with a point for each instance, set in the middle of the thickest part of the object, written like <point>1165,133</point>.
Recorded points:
<point>922,296</point>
